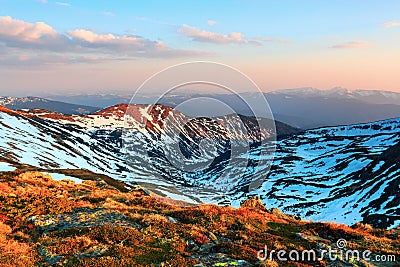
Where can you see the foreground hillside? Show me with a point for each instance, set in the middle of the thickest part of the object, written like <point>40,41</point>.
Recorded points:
<point>44,222</point>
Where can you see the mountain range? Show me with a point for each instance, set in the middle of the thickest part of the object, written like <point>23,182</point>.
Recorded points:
<point>32,102</point>
<point>343,173</point>
<point>301,107</point>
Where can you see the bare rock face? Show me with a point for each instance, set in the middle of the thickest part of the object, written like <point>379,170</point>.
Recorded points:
<point>253,202</point>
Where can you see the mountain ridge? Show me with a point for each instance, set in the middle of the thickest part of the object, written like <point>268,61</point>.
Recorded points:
<point>309,169</point>
<point>304,108</point>
<point>32,102</point>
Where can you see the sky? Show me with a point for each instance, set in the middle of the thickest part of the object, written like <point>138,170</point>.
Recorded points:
<point>102,46</point>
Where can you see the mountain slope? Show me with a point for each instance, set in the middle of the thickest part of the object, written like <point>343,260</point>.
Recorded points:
<point>344,174</point>
<point>44,222</point>
<point>38,142</point>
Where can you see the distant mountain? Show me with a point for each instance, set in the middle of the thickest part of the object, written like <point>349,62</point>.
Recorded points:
<point>306,108</point>
<point>31,102</point>
<point>318,111</point>
<point>97,100</point>
<point>344,174</point>
<point>369,96</point>
<point>301,107</point>
<point>312,108</point>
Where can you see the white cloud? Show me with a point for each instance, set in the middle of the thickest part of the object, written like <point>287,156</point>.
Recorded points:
<point>390,24</point>
<point>22,37</point>
<point>131,45</point>
<point>199,35</point>
<point>63,4</point>
<point>211,22</point>
<point>354,44</point>
<point>108,14</point>
<point>92,37</point>
<point>211,37</point>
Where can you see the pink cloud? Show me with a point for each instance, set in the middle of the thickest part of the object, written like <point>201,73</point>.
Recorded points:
<point>199,35</point>
<point>354,44</point>
<point>17,34</point>
<point>92,37</point>
<point>26,31</point>
<point>390,24</point>
<point>211,37</point>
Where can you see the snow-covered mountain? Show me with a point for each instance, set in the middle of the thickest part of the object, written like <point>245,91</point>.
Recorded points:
<point>344,174</point>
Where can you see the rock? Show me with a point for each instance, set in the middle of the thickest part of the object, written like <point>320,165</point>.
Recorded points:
<point>212,237</point>
<point>80,218</point>
<point>49,257</point>
<point>278,213</point>
<point>206,248</point>
<point>311,238</point>
<point>92,252</point>
<point>253,202</point>
<point>191,245</point>
<point>171,219</point>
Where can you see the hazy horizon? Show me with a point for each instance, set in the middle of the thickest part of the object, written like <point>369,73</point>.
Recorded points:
<point>130,93</point>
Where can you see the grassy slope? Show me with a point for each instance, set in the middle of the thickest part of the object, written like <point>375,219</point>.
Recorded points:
<point>45,222</point>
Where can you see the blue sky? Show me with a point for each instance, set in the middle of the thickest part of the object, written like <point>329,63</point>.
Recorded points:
<point>280,44</point>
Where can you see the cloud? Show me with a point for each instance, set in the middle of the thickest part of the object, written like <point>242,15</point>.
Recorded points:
<point>265,39</point>
<point>390,24</point>
<point>29,60</point>
<point>199,35</point>
<point>211,22</point>
<point>39,35</point>
<point>18,33</point>
<point>42,37</point>
<point>63,4</point>
<point>130,45</point>
<point>92,37</point>
<point>20,30</point>
<point>355,44</point>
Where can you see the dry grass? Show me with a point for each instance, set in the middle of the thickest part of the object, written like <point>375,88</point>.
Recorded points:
<point>141,231</point>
